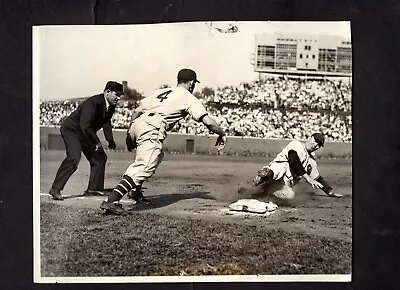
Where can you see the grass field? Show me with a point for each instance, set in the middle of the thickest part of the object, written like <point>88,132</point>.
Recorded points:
<point>186,231</point>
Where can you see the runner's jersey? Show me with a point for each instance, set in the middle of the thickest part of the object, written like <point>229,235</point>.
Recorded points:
<point>306,160</point>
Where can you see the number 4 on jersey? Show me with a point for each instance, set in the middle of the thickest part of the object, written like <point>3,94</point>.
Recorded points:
<point>164,95</point>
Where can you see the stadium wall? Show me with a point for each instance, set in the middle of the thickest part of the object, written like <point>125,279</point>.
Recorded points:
<point>50,138</point>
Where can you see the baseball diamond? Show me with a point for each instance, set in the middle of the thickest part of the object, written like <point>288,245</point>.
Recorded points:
<point>245,173</point>
<point>189,229</point>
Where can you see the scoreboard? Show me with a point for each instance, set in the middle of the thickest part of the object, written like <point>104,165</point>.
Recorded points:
<point>303,54</point>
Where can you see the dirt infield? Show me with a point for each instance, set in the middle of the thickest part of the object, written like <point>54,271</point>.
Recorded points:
<point>188,230</point>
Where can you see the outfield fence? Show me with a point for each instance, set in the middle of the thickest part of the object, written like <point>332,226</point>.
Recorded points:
<point>50,138</point>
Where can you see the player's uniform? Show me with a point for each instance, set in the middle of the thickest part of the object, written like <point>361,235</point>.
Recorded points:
<point>160,112</point>
<point>284,176</point>
<point>280,164</point>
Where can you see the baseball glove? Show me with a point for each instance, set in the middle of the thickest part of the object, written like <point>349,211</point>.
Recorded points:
<point>111,144</point>
<point>130,143</point>
<point>221,142</point>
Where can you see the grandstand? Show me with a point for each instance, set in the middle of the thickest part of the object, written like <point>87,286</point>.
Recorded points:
<point>297,92</point>
<point>270,108</point>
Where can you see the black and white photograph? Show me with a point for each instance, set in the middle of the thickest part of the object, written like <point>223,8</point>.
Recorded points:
<point>193,152</point>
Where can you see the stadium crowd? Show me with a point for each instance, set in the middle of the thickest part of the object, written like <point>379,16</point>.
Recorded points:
<point>274,123</point>
<point>270,108</point>
<point>282,92</point>
<point>52,113</point>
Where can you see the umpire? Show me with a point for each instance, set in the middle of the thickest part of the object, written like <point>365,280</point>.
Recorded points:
<point>79,133</point>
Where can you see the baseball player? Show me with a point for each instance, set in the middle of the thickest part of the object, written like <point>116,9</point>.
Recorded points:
<point>292,163</point>
<point>151,120</point>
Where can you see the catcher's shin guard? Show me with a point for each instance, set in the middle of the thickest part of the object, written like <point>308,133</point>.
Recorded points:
<point>263,175</point>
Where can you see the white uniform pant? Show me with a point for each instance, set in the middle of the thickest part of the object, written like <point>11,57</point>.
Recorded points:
<point>149,132</point>
<point>282,186</point>
<point>280,190</point>
<point>282,183</point>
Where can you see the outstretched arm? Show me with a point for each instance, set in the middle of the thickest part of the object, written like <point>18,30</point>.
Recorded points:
<point>327,188</point>
<point>295,164</point>
<point>214,127</point>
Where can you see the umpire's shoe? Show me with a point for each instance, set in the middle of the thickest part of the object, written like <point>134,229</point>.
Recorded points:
<point>89,192</point>
<point>55,193</point>
<point>137,195</point>
<point>111,207</point>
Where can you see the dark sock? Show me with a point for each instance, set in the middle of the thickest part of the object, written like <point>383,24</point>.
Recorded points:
<point>123,187</point>
<point>114,196</point>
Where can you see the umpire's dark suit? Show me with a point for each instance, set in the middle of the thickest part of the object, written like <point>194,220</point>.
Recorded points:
<point>79,133</point>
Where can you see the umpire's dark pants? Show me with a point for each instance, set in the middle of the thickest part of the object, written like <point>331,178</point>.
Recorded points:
<point>74,144</point>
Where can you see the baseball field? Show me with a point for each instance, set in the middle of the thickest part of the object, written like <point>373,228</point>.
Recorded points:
<point>189,229</point>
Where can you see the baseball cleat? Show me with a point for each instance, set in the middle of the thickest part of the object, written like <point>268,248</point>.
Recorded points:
<point>137,195</point>
<point>112,208</point>
<point>55,193</point>
<point>257,180</point>
<point>144,200</point>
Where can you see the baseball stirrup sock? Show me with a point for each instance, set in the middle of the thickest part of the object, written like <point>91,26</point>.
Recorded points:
<point>123,187</point>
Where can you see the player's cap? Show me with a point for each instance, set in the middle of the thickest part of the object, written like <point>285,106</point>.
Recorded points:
<point>187,74</point>
<point>319,137</point>
<point>114,86</point>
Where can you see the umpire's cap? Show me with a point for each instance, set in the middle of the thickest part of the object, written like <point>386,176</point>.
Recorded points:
<point>319,138</point>
<point>187,74</point>
<point>114,86</point>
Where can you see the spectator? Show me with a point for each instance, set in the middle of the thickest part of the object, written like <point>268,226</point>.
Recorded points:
<point>270,108</point>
